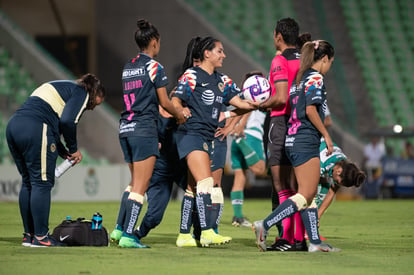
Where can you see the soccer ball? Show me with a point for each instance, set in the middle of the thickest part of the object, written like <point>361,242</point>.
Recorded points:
<point>256,88</point>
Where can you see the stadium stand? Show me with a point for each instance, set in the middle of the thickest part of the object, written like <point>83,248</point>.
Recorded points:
<point>382,37</point>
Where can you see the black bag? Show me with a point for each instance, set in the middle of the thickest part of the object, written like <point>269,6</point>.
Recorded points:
<point>79,232</point>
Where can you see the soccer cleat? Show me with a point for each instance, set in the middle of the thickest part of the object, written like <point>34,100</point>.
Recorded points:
<point>301,245</point>
<point>241,222</point>
<point>27,239</point>
<point>322,247</point>
<point>320,237</point>
<point>131,242</point>
<point>282,245</point>
<point>209,237</point>
<point>185,240</point>
<point>47,241</point>
<point>261,235</point>
<point>116,235</point>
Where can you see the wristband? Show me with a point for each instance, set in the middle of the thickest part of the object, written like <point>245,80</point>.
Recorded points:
<point>227,114</point>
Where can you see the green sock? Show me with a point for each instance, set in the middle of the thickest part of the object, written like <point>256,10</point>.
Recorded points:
<point>248,153</point>
<point>237,203</point>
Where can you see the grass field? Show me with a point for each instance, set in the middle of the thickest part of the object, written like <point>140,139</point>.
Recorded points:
<point>376,237</point>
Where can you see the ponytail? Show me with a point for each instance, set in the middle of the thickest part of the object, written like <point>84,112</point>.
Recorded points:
<point>312,52</point>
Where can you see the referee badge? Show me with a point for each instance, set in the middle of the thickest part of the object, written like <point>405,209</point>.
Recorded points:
<point>205,147</point>
<point>52,147</point>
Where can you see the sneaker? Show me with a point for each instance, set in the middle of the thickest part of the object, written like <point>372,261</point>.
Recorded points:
<point>301,245</point>
<point>186,240</point>
<point>282,245</point>
<point>209,237</point>
<point>241,222</point>
<point>131,242</point>
<point>320,237</point>
<point>47,241</point>
<point>261,235</point>
<point>322,247</point>
<point>116,235</point>
<point>27,239</point>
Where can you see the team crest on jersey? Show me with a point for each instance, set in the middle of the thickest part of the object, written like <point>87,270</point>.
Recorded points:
<point>52,147</point>
<point>205,147</point>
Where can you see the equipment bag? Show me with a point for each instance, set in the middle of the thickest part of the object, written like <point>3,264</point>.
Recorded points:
<point>79,232</point>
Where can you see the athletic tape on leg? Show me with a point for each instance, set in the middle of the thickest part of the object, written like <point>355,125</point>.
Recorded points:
<point>136,197</point>
<point>300,201</point>
<point>204,186</point>
<point>217,195</point>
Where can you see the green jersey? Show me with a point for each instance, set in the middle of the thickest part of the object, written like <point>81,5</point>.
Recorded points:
<point>327,165</point>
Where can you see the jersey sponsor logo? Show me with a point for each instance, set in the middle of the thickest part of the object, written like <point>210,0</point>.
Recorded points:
<point>289,141</point>
<point>208,97</point>
<point>124,128</point>
<point>204,84</point>
<point>128,73</point>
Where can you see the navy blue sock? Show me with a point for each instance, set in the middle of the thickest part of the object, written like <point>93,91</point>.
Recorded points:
<point>203,203</point>
<point>122,211</point>
<point>310,221</point>
<point>216,211</point>
<point>187,207</point>
<point>284,210</point>
<point>133,208</point>
<point>40,207</point>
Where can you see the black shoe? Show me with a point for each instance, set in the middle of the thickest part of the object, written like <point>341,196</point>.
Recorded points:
<point>282,245</point>
<point>47,241</point>
<point>301,245</point>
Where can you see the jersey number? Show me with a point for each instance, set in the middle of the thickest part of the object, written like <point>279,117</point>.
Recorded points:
<point>128,103</point>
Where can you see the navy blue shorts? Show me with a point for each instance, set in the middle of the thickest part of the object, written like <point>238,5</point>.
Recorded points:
<point>218,154</point>
<point>189,143</point>
<point>139,148</point>
<point>298,157</point>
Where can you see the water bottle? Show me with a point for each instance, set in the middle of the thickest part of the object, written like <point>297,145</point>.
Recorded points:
<point>96,221</point>
<point>63,167</point>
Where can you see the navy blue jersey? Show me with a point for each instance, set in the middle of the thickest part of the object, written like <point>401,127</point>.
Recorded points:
<point>141,77</point>
<point>59,104</point>
<point>204,95</point>
<point>311,91</point>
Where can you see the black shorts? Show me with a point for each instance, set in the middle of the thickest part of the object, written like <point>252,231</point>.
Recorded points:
<point>276,141</point>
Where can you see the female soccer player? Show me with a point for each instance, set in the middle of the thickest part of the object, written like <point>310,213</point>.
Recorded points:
<point>336,171</point>
<point>305,129</point>
<point>204,90</point>
<point>33,135</point>
<point>143,81</point>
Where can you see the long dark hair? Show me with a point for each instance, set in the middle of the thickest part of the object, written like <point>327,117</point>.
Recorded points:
<point>351,175</point>
<point>191,53</point>
<point>93,87</point>
<point>145,33</point>
<point>311,53</point>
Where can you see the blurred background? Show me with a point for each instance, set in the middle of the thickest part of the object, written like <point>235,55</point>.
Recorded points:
<point>370,94</point>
